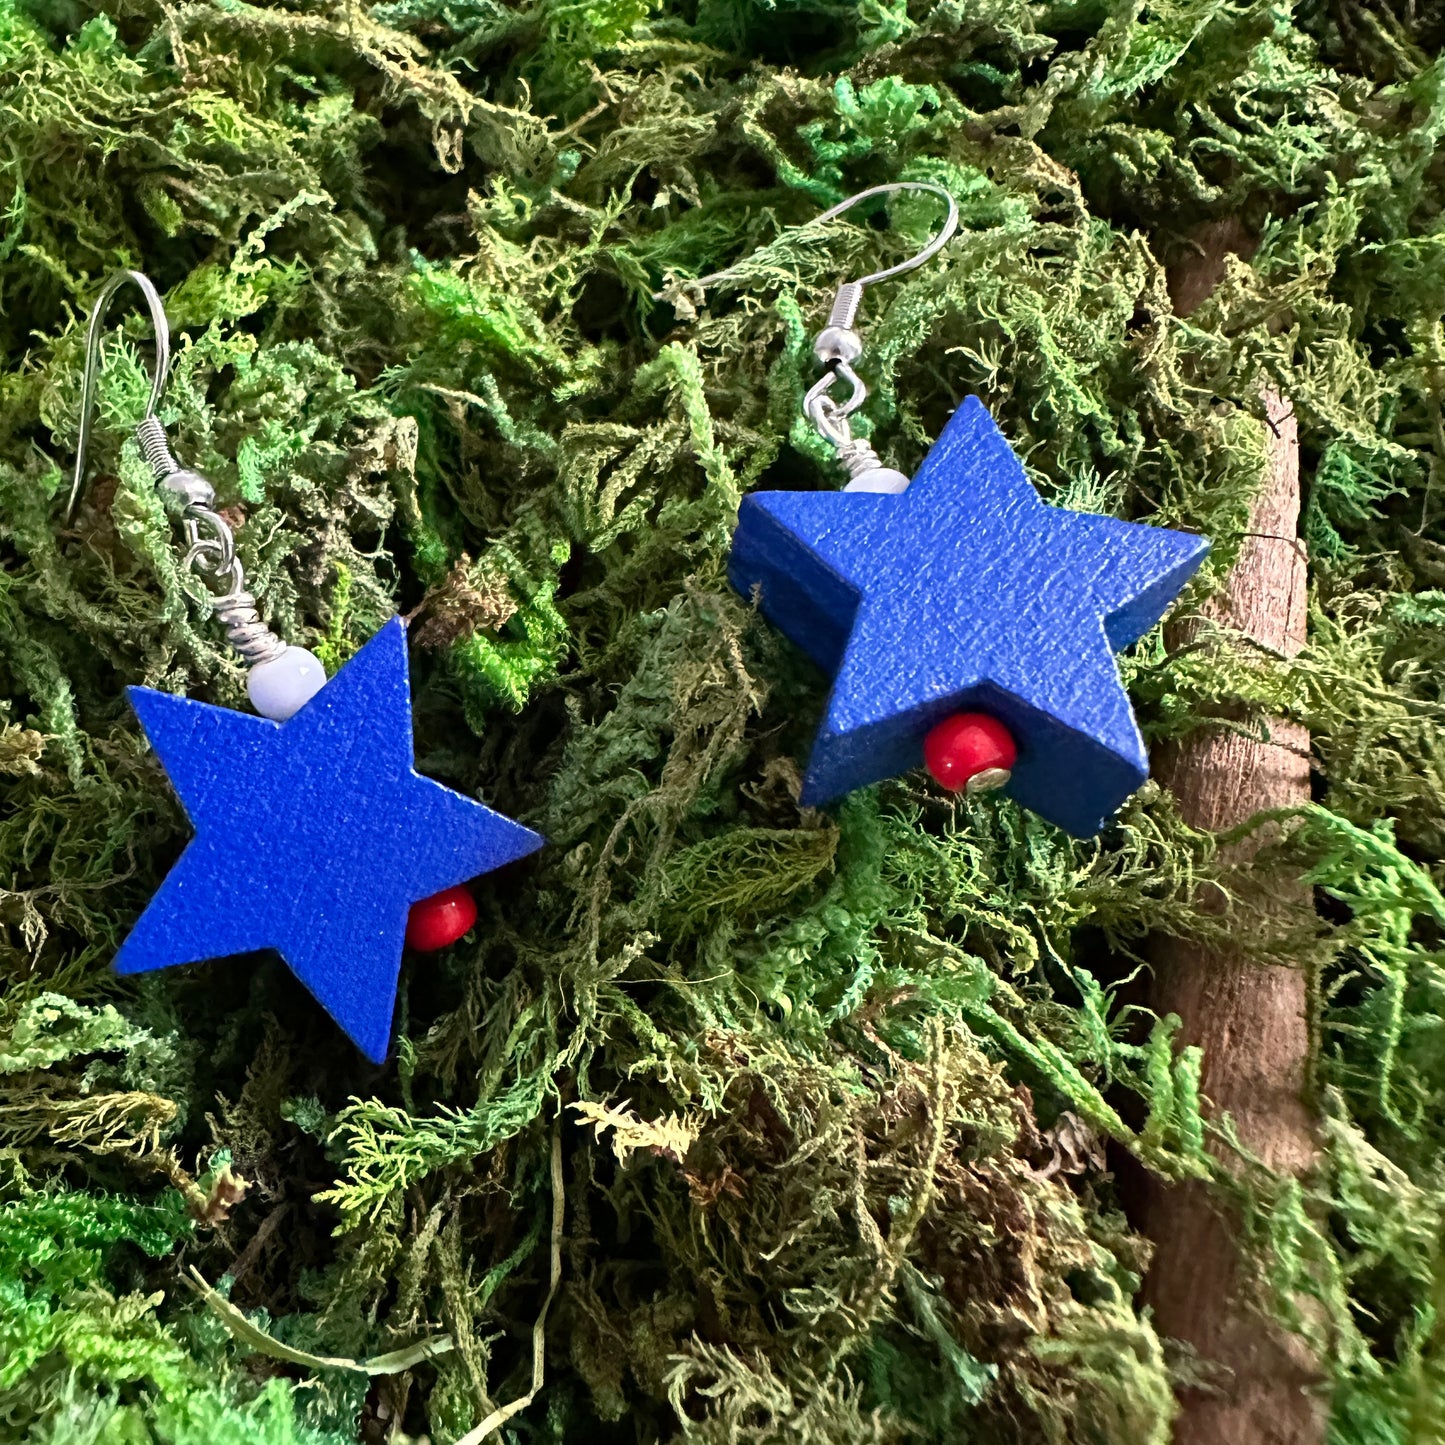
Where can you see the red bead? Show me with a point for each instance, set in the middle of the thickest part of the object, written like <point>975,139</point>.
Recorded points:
<point>970,750</point>
<point>441,919</point>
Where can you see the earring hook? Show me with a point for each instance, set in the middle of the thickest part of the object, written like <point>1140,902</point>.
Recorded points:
<point>838,345</point>
<point>91,375</point>
<point>940,239</point>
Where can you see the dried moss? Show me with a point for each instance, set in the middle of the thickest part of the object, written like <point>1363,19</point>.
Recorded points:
<point>866,1072</point>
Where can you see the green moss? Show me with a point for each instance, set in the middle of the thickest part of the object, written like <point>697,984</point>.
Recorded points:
<point>410,252</point>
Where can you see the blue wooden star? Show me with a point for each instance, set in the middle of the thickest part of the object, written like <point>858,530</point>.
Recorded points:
<point>313,837</point>
<point>966,592</point>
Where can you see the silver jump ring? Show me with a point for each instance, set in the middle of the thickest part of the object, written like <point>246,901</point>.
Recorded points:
<point>220,544</point>
<point>823,413</point>
<point>236,577</point>
<point>829,416</point>
<point>822,388</point>
<point>206,557</point>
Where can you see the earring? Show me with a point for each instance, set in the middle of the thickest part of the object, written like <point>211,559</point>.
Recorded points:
<point>966,624</point>
<point>314,835</point>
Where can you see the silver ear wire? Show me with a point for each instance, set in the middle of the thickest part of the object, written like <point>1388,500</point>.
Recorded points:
<point>850,294</point>
<point>91,375</point>
<point>210,543</point>
<point>838,345</point>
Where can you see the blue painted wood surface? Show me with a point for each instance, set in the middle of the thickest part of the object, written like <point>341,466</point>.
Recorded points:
<point>313,837</point>
<point>966,592</point>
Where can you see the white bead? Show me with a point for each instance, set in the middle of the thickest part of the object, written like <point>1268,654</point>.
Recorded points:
<point>878,479</point>
<point>285,684</point>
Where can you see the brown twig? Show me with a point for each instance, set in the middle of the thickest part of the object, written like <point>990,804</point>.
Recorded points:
<point>257,1243</point>
<point>1250,1017</point>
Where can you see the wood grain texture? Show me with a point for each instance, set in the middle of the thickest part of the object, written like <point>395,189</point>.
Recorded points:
<point>967,592</point>
<point>1250,1018</point>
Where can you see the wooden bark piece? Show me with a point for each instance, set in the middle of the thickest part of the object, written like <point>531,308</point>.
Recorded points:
<point>1250,1018</point>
